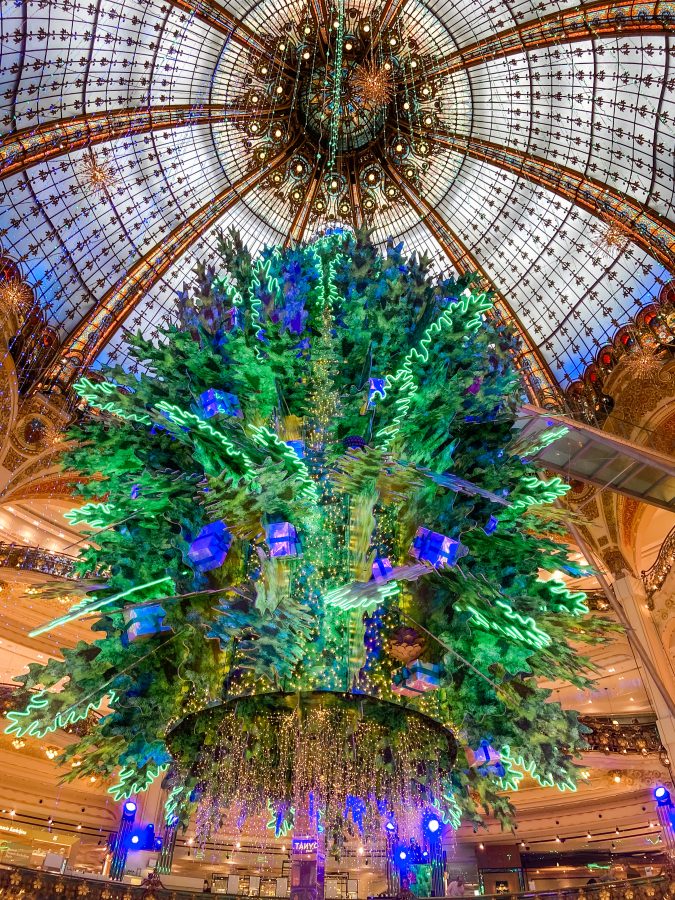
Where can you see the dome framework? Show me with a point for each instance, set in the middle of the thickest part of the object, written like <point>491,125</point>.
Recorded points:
<point>554,129</point>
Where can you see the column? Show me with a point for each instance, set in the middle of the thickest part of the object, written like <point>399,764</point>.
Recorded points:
<point>308,859</point>
<point>651,656</point>
<point>119,842</point>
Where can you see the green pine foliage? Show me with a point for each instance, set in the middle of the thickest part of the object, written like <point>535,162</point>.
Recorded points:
<point>296,336</point>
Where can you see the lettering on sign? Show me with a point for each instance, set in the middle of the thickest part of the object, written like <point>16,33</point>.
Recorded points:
<point>304,845</point>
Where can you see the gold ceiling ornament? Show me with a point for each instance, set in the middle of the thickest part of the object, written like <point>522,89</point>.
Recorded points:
<point>642,362</point>
<point>358,103</point>
<point>101,176</point>
<point>372,84</point>
<point>16,294</point>
<point>613,238</point>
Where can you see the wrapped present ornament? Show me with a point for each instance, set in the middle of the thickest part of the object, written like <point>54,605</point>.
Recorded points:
<point>143,621</point>
<point>417,678</point>
<point>282,539</point>
<point>436,549</point>
<point>210,547</point>
<point>423,677</point>
<point>484,755</point>
<point>375,389</point>
<point>219,403</point>
<point>382,568</point>
<point>399,684</point>
<point>491,525</point>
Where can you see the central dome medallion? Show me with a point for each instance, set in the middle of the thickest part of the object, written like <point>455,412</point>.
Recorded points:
<point>343,111</point>
<point>354,98</point>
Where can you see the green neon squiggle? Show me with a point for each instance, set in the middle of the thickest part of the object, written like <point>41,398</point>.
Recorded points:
<point>530,768</point>
<point>130,782</point>
<point>343,598</point>
<point>172,803</point>
<point>540,492</point>
<point>267,438</point>
<point>520,628</point>
<point>404,380</point>
<point>38,702</point>
<point>84,514</point>
<point>95,395</point>
<point>573,602</point>
<point>85,607</point>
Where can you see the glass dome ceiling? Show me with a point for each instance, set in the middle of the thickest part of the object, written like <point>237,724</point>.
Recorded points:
<point>541,153</point>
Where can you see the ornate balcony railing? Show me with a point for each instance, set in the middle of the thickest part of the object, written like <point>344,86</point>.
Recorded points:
<point>654,577</point>
<point>659,888</point>
<point>28,883</point>
<point>35,559</point>
<point>612,736</point>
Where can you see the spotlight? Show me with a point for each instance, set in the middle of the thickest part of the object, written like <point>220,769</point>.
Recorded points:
<point>662,796</point>
<point>390,826</point>
<point>135,839</point>
<point>402,855</point>
<point>130,808</point>
<point>433,825</point>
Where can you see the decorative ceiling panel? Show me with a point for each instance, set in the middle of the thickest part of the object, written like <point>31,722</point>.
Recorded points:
<point>547,157</point>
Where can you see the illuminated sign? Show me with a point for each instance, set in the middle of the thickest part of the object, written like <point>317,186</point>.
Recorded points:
<point>304,845</point>
<point>12,829</point>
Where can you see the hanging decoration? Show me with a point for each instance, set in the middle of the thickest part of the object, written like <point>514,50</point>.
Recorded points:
<point>303,604</point>
<point>99,176</point>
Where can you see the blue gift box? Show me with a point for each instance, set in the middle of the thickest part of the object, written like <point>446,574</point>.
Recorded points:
<point>144,621</point>
<point>491,525</point>
<point>209,548</point>
<point>382,568</point>
<point>219,403</point>
<point>375,389</point>
<point>423,677</point>
<point>436,549</point>
<point>485,753</point>
<point>282,539</point>
<point>298,447</point>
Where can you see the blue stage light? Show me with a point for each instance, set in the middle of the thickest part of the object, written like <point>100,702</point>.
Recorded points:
<point>662,796</point>
<point>390,826</point>
<point>135,839</point>
<point>130,807</point>
<point>402,855</point>
<point>433,825</point>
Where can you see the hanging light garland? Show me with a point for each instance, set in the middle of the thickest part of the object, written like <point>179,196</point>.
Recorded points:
<point>274,751</point>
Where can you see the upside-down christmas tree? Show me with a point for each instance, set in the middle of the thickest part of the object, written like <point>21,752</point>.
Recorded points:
<point>319,570</point>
